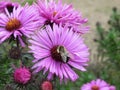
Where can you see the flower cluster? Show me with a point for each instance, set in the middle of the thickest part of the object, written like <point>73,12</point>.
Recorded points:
<point>58,46</point>
<point>54,33</point>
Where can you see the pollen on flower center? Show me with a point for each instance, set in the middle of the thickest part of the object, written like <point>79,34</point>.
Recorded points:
<point>95,87</point>
<point>13,24</point>
<point>59,53</point>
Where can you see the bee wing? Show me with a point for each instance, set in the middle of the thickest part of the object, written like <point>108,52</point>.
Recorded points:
<point>64,58</point>
<point>70,56</point>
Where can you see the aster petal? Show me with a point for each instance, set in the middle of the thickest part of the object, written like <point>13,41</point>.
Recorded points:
<point>77,66</point>
<point>41,38</point>
<point>86,87</point>
<point>60,73</point>
<point>105,88</point>
<point>37,69</point>
<point>52,67</point>
<point>64,72</point>
<point>21,41</point>
<point>112,87</point>
<point>50,76</point>
<point>17,33</point>
<point>3,38</point>
<point>3,20</point>
<point>72,75</point>
<point>38,44</point>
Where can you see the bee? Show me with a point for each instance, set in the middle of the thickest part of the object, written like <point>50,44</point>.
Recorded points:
<point>64,54</point>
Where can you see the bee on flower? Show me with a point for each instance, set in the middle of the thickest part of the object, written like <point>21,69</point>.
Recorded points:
<point>58,49</point>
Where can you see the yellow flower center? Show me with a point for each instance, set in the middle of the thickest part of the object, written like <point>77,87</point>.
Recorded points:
<point>13,24</point>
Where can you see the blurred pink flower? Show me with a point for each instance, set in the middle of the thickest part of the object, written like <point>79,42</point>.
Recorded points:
<point>51,12</point>
<point>7,5</point>
<point>22,75</point>
<point>97,85</point>
<point>58,49</point>
<point>22,21</point>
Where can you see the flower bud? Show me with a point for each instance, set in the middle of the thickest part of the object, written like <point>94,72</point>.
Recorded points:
<point>22,75</point>
<point>46,85</point>
<point>14,53</point>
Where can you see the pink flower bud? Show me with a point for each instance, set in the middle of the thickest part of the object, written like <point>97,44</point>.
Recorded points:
<point>46,85</point>
<point>22,75</point>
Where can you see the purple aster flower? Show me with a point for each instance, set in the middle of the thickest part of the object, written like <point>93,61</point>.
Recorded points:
<point>57,50</point>
<point>97,85</point>
<point>52,12</point>
<point>7,5</point>
<point>21,22</point>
